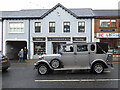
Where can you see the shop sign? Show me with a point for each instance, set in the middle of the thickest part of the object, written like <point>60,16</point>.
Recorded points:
<point>79,38</point>
<point>108,35</point>
<point>108,30</point>
<point>38,39</point>
<point>58,38</point>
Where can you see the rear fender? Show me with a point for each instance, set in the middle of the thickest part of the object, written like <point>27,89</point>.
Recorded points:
<point>99,61</point>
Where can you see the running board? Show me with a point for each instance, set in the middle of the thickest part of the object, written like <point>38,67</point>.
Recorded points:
<point>71,69</point>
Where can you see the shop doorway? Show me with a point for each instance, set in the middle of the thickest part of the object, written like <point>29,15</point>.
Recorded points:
<point>13,47</point>
<point>56,47</point>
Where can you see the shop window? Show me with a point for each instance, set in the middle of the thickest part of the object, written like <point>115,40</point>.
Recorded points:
<point>39,48</point>
<point>37,27</point>
<point>51,27</point>
<point>107,23</point>
<point>81,26</point>
<point>66,27</point>
<point>104,23</point>
<point>16,27</point>
<point>113,47</point>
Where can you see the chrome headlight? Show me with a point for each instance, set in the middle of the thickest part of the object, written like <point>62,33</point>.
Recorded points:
<point>36,63</point>
<point>41,57</point>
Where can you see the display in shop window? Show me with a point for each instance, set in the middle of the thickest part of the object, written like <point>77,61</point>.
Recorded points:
<point>39,48</point>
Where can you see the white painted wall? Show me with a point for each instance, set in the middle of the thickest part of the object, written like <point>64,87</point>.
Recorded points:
<point>0,35</point>
<point>96,40</point>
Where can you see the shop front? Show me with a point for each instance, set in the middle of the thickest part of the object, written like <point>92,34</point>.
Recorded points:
<point>113,39</point>
<point>39,46</point>
<point>52,45</point>
<point>56,43</point>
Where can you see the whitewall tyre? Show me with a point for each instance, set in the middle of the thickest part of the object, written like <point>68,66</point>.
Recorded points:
<point>43,69</point>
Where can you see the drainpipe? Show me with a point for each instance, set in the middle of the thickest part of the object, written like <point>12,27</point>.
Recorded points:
<point>91,30</point>
<point>2,35</point>
<point>29,39</point>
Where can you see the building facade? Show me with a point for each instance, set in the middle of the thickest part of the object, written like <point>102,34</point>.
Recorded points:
<point>43,30</point>
<point>0,34</point>
<point>107,29</point>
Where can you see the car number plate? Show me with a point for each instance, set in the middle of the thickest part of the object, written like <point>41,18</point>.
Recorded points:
<point>3,61</point>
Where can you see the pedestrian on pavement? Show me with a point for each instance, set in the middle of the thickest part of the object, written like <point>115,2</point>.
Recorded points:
<point>25,53</point>
<point>20,54</point>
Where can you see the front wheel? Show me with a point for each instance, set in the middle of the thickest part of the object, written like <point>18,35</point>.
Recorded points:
<point>43,69</point>
<point>98,68</point>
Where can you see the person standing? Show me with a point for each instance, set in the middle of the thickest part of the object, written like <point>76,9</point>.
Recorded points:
<point>25,53</point>
<point>21,55</point>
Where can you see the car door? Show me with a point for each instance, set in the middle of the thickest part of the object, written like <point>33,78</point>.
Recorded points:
<point>67,57</point>
<point>82,55</point>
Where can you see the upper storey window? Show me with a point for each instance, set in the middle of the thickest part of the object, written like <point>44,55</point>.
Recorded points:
<point>66,27</point>
<point>37,27</point>
<point>81,26</point>
<point>16,27</point>
<point>107,23</point>
<point>51,27</point>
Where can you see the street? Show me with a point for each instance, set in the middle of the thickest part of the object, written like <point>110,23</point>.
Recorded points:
<point>22,75</point>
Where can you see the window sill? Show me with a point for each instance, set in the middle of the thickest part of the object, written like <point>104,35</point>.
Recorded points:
<point>16,32</point>
<point>37,33</point>
<point>51,32</point>
<point>107,27</point>
<point>81,32</point>
<point>66,32</point>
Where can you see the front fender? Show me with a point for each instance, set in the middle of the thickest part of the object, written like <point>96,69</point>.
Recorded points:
<point>99,60</point>
<point>42,62</point>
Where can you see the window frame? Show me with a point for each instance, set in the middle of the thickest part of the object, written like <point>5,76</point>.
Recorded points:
<point>78,26</point>
<point>52,27</point>
<point>110,21</point>
<point>9,28</point>
<point>35,27</point>
<point>69,26</point>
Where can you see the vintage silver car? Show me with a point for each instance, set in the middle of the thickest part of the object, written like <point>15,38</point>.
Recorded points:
<point>76,56</point>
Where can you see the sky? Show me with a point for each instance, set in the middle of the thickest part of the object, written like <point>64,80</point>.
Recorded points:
<point>14,5</point>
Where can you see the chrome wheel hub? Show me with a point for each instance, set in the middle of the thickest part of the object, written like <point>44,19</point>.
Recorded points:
<point>42,69</point>
<point>55,63</point>
<point>98,68</point>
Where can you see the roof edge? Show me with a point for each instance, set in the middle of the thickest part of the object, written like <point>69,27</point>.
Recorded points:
<point>58,5</point>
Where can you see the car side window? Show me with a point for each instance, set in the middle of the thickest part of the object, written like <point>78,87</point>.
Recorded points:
<point>81,48</point>
<point>68,48</point>
<point>92,47</point>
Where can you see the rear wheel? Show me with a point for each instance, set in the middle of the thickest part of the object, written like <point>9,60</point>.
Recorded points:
<point>55,63</point>
<point>43,69</point>
<point>98,68</point>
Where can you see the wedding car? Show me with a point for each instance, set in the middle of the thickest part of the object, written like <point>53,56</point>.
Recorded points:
<point>77,56</point>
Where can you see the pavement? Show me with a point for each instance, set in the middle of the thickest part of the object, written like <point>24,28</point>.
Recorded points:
<point>116,59</point>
